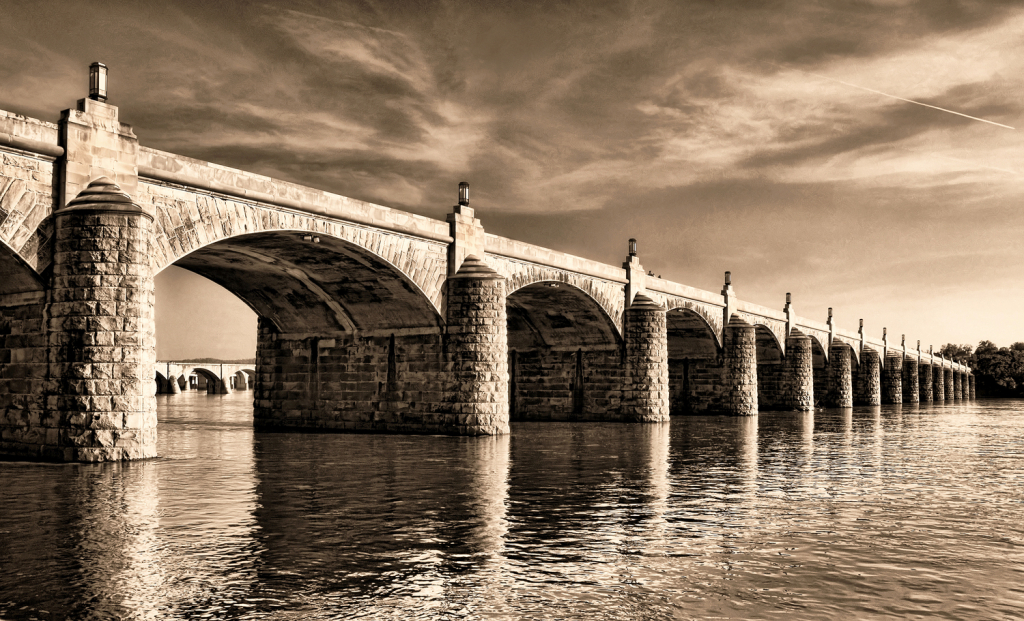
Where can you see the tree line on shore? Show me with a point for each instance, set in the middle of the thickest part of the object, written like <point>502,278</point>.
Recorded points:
<point>998,371</point>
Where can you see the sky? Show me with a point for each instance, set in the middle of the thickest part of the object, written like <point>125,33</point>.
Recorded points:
<point>771,139</point>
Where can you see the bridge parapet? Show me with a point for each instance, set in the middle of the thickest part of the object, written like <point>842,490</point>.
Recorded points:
<point>196,174</point>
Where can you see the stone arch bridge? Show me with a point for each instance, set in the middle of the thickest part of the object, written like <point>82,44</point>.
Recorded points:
<point>370,319</point>
<point>216,378</point>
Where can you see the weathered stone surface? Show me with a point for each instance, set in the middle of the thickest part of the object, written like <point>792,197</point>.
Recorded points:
<point>972,395</point>
<point>938,383</point>
<point>740,368</point>
<point>798,373</point>
<point>645,394</point>
<point>478,349</point>
<point>840,380</point>
<point>868,387</point>
<point>100,323</point>
<point>958,386</point>
<point>947,381</point>
<point>911,390</point>
<point>892,379</point>
<point>924,375</point>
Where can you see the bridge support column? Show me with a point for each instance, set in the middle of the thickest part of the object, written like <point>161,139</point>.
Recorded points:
<point>840,380</point>
<point>172,386</point>
<point>798,373</point>
<point>970,381</point>
<point>869,379</point>
<point>102,347</point>
<point>911,391</point>
<point>924,379</point>
<point>947,380</point>
<point>892,379</point>
<point>938,383</point>
<point>645,394</point>
<point>478,349</point>
<point>740,368</point>
<point>958,385</point>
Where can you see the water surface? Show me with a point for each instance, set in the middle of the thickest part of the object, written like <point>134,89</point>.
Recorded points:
<point>891,512</point>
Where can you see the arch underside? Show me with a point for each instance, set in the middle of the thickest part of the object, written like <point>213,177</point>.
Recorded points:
<point>564,355</point>
<point>694,362</point>
<point>565,317</point>
<point>710,314</point>
<point>322,288</point>
<point>607,295</point>
<point>773,327</point>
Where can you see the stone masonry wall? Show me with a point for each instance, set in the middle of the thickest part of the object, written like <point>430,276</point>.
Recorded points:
<point>645,393</point>
<point>697,385</point>
<point>924,380</point>
<point>477,348</point>
<point>769,386</point>
<point>102,346</point>
<point>740,375</point>
<point>958,386</point>
<point>840,381</point>
<point>585,384</point>
<point>911,391</point>
<point>947,381</point>
<point>382,383</point>
<point>797,384</point>
<point>27,428</point>
<point>892,379</point>
<point>867,388</point>
<point>26,199</point>
<point>938,383</point>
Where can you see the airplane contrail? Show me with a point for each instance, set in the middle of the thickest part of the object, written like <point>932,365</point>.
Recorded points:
<point>871,90</point>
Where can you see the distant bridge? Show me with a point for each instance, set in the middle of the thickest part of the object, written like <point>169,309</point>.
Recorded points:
<point>213,377</point>
<point>370,318</point>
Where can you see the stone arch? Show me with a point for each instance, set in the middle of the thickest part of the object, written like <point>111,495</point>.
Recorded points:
<point>853,345</point>
<point>18,275</point>
<point>770,355</point>
<point>215,384</point>
<point>711,315</point>
<point>161,383</point>
<point>323,287</point>
<point>608,295</point>
<point>187,222</point>
<point>564,354</point>
<point>694,361</point>
<point>776,328</point>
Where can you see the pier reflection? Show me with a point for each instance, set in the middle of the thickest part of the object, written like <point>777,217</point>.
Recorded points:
<point>393,519</point>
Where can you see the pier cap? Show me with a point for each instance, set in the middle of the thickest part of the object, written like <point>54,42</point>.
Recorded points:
<point>103,195</point>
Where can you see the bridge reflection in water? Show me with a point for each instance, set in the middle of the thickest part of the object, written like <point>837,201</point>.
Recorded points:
<point>855,512</point>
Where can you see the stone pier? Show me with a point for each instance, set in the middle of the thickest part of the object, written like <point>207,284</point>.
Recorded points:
<point>939,383</point>
<point>868,389</point>
<point>101,329</point>
<point>958,386</point>
<point>892,379</point>
<point>924,377</point>
<point>840,381</point>
<point>798,374</point>
<point>911,389</point>
<point>972,394</point>
<point>645,397</point>
<point>740,358</point>
<point>947,380</point>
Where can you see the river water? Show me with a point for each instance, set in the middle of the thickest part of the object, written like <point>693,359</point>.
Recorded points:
<point>891,512</point>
